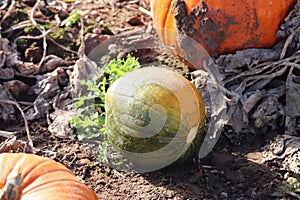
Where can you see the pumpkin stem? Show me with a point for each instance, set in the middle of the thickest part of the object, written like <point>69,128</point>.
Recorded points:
<point>12,189</point>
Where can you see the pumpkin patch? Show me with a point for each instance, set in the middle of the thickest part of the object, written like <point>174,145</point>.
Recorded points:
<point>58,59</point>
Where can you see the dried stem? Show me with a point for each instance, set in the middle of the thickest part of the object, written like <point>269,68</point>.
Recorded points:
<point>267,70</point>
<point>81,50</point>
<point>7,134</point>
<point>12,5</point>
<point>24,117</point>
<point>61,46</point>
<point>288,41</point>
<point>145,11</point>
<point>41,29</point>
<point>45,33</point>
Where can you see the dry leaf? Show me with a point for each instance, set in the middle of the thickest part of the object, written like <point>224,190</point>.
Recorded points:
<point>18,89</point>
<point>6,73</point>
<point>50,63</point>
<point>7,111</point>
<point>284,150</point>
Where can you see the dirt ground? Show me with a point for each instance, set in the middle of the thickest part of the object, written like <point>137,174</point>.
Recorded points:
<point>233,170</point>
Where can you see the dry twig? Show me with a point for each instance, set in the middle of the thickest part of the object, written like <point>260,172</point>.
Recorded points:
<point>11,143</point>
<point>41,29</point>
<point>12,5</point>
<point>45,33</point>
<point>61,46</point>
<point>24,117</point>
<point>7,134</point>
<point>145,11</point>
<point>288,41</point>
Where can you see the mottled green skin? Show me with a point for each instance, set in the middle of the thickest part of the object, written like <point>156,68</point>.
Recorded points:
<point>138,110</point>
<point>142,99</point>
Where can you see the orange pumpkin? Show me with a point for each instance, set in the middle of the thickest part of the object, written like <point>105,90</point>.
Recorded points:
<point>31,177</point>
<point>219,26</point>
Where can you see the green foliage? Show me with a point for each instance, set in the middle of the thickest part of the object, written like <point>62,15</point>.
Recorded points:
<point>18,5</point>
<point>21,42</point>
<point>58,34</point>
<point>117,68</point>
<point>90,118</point>
<point>74,18</point>
<point>20,8</point>
<point>89,29</point>
<point>48,26</point>
<point>29,28</point>
<point>292,184</point>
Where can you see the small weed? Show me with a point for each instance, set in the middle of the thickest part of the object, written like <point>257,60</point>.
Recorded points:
<point>21,42</point>
<point>58,34</point>
<point>18,5</point>
<point>165,180</point>
<point>48,26</point>
<point>89,29</point>
<point>29,28</point>
<point>20,8</point>
<point>290,185</point>
<point>73,19</point>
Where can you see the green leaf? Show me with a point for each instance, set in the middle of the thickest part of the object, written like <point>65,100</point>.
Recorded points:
<point>90,108</point>
<point>74,18</point>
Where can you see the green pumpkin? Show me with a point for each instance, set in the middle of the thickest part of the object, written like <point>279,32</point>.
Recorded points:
<point>153,117</point>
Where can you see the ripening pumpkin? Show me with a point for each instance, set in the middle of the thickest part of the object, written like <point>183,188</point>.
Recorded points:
<point>220,27</point>
<point>154,117</point>
<point>32,177</point>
